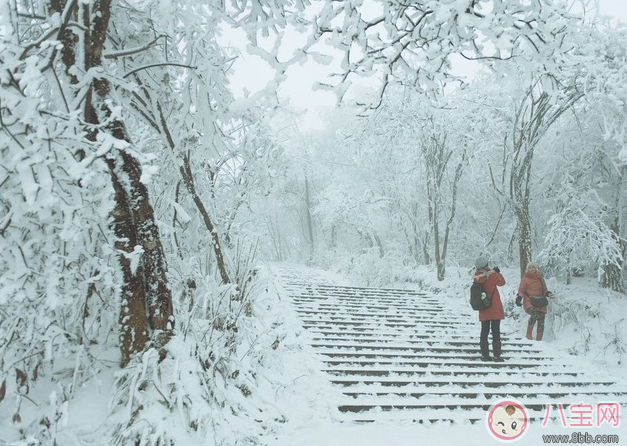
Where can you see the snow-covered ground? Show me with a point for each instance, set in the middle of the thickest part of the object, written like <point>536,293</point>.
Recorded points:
<point>585,324</point>
<point>291,401</point>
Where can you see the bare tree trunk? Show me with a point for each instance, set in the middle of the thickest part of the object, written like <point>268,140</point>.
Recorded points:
<point>190,184</point>
<point>451,218</point>
<point>536,114</point>
<point>437,158</point>
<point>524,237</point>
<point>175,219</point>
<point>146,300</point>
<point>612,274</point>
<point>132,319</point>
<point>379,244</point>
<point>425,248</point>
<point>310,229</point>
<point>439,264</point>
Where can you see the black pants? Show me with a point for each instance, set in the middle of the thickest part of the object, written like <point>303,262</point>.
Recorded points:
<point>495,326</point>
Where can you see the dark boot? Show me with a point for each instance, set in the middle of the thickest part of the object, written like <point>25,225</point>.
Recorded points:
<point>485,351</point>
<point>530,331</point>
<point>496,349</point>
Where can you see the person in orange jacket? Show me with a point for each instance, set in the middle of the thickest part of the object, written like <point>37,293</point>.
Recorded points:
<point>490,317</point>
<point>532,285</point>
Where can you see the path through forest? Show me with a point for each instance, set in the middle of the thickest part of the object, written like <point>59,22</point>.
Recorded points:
<point>399,356</point>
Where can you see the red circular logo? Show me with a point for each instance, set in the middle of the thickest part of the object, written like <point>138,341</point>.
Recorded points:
<point>507,421</point>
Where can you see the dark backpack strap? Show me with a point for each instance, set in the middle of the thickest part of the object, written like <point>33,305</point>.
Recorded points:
<point>493,291</point>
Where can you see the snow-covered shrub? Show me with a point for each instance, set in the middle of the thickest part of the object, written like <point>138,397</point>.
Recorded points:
<point>57,293</point>
<point>219,386</point>
<point>370,268</point>
<point>591,322</point>
<point>576,238</point>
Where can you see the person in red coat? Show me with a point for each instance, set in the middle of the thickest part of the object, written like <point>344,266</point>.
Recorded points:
<point>491,317</point>
<point>532,285</point>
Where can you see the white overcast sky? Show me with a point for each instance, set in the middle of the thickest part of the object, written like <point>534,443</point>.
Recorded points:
<point>616,8</point>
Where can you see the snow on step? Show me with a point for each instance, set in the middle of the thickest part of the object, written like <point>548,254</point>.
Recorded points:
<point>401,355</point>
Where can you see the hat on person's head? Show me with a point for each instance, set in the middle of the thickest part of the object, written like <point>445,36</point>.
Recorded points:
<point>531,266</point>
<point>481,262</point>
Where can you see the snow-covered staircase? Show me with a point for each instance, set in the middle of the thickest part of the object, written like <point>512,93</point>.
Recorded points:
<point>402,355</point>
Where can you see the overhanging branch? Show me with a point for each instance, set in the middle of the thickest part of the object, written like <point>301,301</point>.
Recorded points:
<point>146,67</point>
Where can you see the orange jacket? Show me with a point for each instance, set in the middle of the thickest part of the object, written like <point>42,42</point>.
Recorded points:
<point>532,284</point>
<point>490,284</point>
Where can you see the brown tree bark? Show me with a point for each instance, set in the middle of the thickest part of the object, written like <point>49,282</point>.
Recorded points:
<point>188,179</point>
<point>146,300</point>
<point>159,122</point>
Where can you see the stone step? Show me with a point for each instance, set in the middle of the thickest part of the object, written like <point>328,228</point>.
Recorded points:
<point>379,324</point>
<point>464,369</point>
<point>423,313</point>
<point>455,374</point>
<point>371,347</point>
<point>417,391</point>
<point>494,381</point>
<point>365,405</point>
<point>379,301</point>
<point>336,316</point>
<point>394,312</point>
<point>311,316</point>
<point>424,416</point>
<point>436,330</point>
<point>419,351</point>
<point>429,307</point>
<point>401,355</point>
<point>430,337</point>
<point>419,331</point>
<point>399,365</point>
<point>417,339</point>
<point>326,288</point>
<point>439,417</point>
<point>430,359</point>
<point>390,312</point>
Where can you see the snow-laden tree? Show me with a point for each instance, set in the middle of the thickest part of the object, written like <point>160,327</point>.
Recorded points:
<point>589,86</point>
<point>606,97</point>
<point>389,183</point>
<point>578,236</point>
<point>221,148</point>
<point>518,121</point>
<point>537,111</point>
<point>80,240</point>
<point>59,97</point>
<point>413,42</point>
<point>426,148</point>
<point>581,187</point>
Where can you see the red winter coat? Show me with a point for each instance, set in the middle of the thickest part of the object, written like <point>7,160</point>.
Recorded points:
<point>490,284</point>
<point>532,284</point>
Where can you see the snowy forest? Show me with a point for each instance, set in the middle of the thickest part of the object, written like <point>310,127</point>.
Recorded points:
<point>140,193</point>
